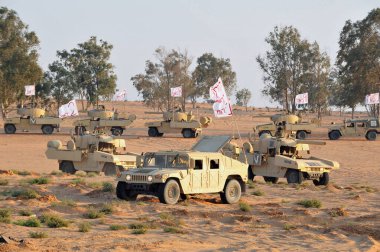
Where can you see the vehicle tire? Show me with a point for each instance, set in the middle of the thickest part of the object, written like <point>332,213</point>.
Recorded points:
<point>232,192</point>
<point>324,180</point>
<point>169,192</point>
<point>47,129</point>
<point>371,136</point>
<point>334,135</point>
<point>188,133</point>
<point>251,176</point>
<point>301,134</point>
<point>184,196</point>
<point>117,131</point>
<point>110,169</point>
<point>67,167</point>
<point>272,180</point>
<point>9,129</point>
<point>153,132</point>
<point>294,176</point>
<point>264,132</point>
<point>123,193</point>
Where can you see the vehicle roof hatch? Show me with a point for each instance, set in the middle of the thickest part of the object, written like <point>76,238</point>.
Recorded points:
<point>211,143</point>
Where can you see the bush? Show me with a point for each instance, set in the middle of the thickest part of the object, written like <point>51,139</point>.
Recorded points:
<point>107,208</point>
<point>108,187</point>
<point>92,174</point>
<point>21,173</point>
<point>251,184</point>
<point>118,227</point>
<point>95,185</point>
<point>4,182</point>
<point>40,181</point>
<point>25,193</point>
<point>57,173</point>
<point>288,226</point>
<point>78,181</point>
<point>313,203</point>
<point>245,207</point>
<point>258,193</point>
<point>53,221</point>
<point>139,231</point>
<point>38,235</point>
<point>138,226</point>
<point>93,214</point>
<point>25,212</point>
<point>5,215</point>
<point>32,222</point>
<point>335,212</point>
<point>174,230</point>
<point>81,174</point>
<point>65,203</point>
<point>84,227</point>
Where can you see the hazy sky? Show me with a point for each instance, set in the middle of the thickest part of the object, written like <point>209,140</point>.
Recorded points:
<point>229,29</point>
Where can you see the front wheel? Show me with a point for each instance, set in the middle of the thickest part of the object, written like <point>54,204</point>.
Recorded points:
<point>371,136</point>
<point>169,192</point>
<point>301,135</point>
<point>153,132</point>
<point>294,176</point>
<point>324,180</point>
<point>9,129</point>
<point>67,167</point>
<point>334,135</point>
<point>188,133</point>
<point>47,129</point>
<point>123,193</point>
<point>110,169</point>
<point>272,180</point>
<point>117,131</point>
<point>232,192</point>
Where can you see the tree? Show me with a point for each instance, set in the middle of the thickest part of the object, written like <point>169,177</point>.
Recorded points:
<point>18,58</point>
<point>242,97</point>
<point>206,73</point>
<point>171,70</point>
<point>358,60</point>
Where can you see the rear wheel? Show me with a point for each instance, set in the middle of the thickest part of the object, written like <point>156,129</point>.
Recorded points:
<point>294,176</point>
<point>123,193</point>
<point>67,167</point>
<point>324,180</point>
<point>232,192</point>
<point>273,180</point>
<point>9,129</point>
<point>117,131</point>
<point>153,132</point>
<point>334,135</point>
<point>301,134</point>
<point>47,129</point>
<point>188,133</point>
<point>169,192</point>
<point>110,169</point>
<point>371,136</point>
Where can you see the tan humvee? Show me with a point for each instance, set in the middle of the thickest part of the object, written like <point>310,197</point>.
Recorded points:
<point>174,174</point>
<point>368,127</point>
<point>177,122</point>
<point>92,153</point>
<point>285,157</point>
<point>292,123</point>
<point>106,119</point>
<point>31,119</point>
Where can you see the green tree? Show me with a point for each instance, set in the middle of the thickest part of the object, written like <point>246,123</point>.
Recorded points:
<point>206,73</point>
<point>18,58</point>
<point>358,60</point>
<point>242,97</point>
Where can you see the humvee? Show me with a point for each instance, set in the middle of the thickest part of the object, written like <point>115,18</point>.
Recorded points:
<point>173,174</point>
<point>283,156</point>
<point>106,119</point>
<point>292,123</point>
<point>368,127</point>
<point>31,119</point>
<point>177,122</point>
<point>92,153</point>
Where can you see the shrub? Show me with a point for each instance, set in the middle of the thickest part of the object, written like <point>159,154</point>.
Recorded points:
<point>313,203</point>
<point>25,193</point>
<point>57,173</point>
<point>38,235</point>
<point>84,227</point>
<point>39,181</point>
<point>32,222</point>
<point>25,212</point>
<point>108,187</point>
<point>65,203</point>
<point>251,184</point>
<point>138,226</point>
<point>91,174</point>
<point>95,185</point>
<point>258,193</point>
<point>118,227</point>
<point>174,230</point>
<point>78,181</point>
<point>107,208</point>
<point>288,226</point>
<point>139,231</point>
<point>245,207</point>
<point>53,221</point>
<point>5,215</point>
<point>80,174</point>
<point>93,214</point>
<point>4,182</point>
<point>21,173</point>
<point>335,212</point>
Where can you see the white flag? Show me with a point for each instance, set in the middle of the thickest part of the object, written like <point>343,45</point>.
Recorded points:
<point>120,96</point>
<point>69,109</point>
<point>302,99</point>
<point>372,99</point>
<point>30,90</point>
<point>222,106</point>
<point>176,92</point>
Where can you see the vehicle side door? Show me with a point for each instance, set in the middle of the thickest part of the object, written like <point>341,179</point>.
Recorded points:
<point>198,175</point>
<point>214,165</point>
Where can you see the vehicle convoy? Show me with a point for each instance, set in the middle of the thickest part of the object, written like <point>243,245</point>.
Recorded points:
<point>106,119</point>
<point>292,123</point>
<point>171,175</point>
<point>285,157</point>
<point>92,153</point>
<point>31,119</point>
<point>177,122</point>
<point>368,127</point>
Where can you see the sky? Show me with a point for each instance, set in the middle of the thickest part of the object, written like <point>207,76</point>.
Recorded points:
<point>229,29</point>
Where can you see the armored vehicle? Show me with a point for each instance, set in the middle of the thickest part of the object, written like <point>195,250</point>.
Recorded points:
<point>285,157</point>
<point>177,122</point>
<point>292,123</point>
<point>31,119</point>
<point>355,127</point>
<point>174,174</point>
<point>103,118</point>
<point>95,153</point>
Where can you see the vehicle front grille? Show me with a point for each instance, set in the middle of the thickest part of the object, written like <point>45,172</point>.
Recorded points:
<point>139,178</point>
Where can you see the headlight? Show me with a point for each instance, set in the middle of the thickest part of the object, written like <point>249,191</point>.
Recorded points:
<point>150,178</point>
<point>128,177</point>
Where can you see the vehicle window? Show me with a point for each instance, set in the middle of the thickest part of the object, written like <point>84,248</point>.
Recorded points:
<point>178,161</point>
<point>198,165</point>
<point>360,124</point>
<point>350,125</point>
<point>152,160</point>
<point>214,164</point>
<point>272,152</point>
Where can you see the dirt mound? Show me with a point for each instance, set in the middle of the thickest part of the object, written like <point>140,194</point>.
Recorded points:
<point>48,198</point>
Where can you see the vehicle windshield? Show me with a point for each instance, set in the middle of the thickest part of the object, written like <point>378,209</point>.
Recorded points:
<point>166,161</point>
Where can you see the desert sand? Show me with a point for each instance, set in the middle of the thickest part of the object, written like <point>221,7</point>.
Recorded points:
<point>348,220</point>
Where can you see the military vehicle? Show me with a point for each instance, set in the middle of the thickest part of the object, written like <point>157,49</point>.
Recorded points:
<point>92,153</point>
<point>368,127</point>
<point>177,122</point>
<point>283,156</point>
<point>173,174</point>
<point>106,119</point>
<point>293,123</point>
<point>31,119</point>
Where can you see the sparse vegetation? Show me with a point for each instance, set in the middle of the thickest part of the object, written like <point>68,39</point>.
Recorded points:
<point>138,226</point>
<point>118,227</point>
<point>25,193</point>
<point>107,208</point>
<point>21,173</point>
<point>174,230</point>
<point>335,212</point>
<point>139,231</point>
<point>4,182</point>
<point>38,235</point>
<point>39,181</point>
<point>31,222</point>
<point>289,226</point>
<point>93,214</point>
<point>25,212</point>
<point>95,185</point>
<point>54,221</point>
<point>245,207</point>
<point>78,181</point>
<point>81,174</point>
<point>65,203</point>
<point>108,187</point>
<point>57,173</point>
<point>258,193</point>
<point>92,174</point>
<point>5,215</point>
<point>250,184</point>
<point>84,227</point>
<point>313,203</point>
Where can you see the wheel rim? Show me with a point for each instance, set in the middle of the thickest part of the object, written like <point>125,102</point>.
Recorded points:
<point>301,135</point>
<point>233,192</point>
<point>293,177</point>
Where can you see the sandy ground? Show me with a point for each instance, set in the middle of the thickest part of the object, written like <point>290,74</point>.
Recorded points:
<point>275,221</point>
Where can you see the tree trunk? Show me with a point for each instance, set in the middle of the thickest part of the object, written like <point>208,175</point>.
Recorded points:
<point>352,112</point>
